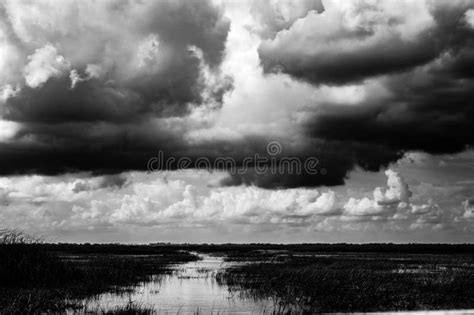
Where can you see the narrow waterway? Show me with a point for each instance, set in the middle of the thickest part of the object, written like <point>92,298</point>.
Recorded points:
<point>191,288</point>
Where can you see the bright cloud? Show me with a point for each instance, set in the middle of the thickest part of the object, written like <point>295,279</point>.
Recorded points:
<point>139,200</point>
<point>44,64</point>
<point>380,93</point>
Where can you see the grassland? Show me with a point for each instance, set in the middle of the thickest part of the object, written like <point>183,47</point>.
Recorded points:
<point>36,277</point>
<point>348,281</point>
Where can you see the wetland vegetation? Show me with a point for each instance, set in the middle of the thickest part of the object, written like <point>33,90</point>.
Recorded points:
<point>363,282</point>
<point>38,277</point>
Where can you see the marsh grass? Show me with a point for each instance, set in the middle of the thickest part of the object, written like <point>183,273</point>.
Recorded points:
<point>36,277</point>
<point>131,308</point>
<point>357,282</point>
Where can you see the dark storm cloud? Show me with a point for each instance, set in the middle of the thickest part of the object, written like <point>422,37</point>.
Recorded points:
<point>429,110</point>
<point>85,146</point>
<point>158,78</point>
<point>106,98</point>
<point>348,66</point>
<point>91,80</point>
<point>333,160</point>
<point>57,102</point>
<point>368,40</point>
<point>109,148</point>
<point>94,100</point>
<point>422,61</point>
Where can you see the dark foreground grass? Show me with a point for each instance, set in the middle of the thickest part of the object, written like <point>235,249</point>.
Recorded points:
<point>37,278</point>
<point>49,278</point>
<point>131,308</point>
<point>357,282</point>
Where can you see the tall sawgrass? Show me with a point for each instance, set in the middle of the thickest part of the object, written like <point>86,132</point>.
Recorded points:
<point>37,277</point>
<point>358,282</point>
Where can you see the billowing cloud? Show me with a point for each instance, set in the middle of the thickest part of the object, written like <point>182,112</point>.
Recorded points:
<point>468,209</point>
<point>385,200</point>
<point>469,17</point>
<point>103,87</point>
<point>393,204</point>
<point>112,181</point>
<point>104,76</point>
<point>429,215</point>
<point>137,200</point>
<point>153,200</point>
<point>44,64</point>
<point>274,16</point>
<point>139,60</point>
<point>406,63</point>
<point>368,39</point>
<point>427,109</point>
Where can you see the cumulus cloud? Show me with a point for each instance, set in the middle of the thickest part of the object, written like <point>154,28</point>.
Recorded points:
<point>385,200</point>
<point>104,86</point>
<point>8,130</point>
<point>393,204</point>
<point>239,205</point>
<point>361,207</point>
<point>404,61</point>
<point>141,200</point>
<point>397,192</point>
<point>6,92</point>
<point>468,209</point>
<point>107,181</point>
<point>368,39</point>
<point>251,116</point>
<point>469,16</point>
<point>90,90</point>
<point>45,63</point>
<point>429,215</point>
<point>142,55</point>
<point>274,16</point>
<point>152,200</point>
<point>84,76</point>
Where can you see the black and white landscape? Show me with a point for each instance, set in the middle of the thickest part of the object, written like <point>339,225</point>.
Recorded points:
<point>183,123</point>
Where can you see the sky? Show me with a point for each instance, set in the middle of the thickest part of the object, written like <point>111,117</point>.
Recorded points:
<point>101,101</point>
